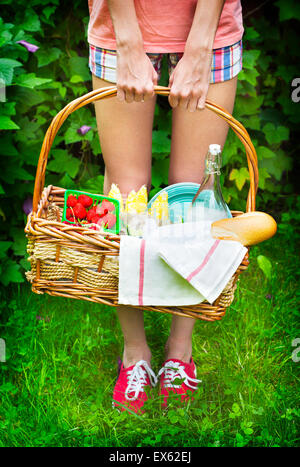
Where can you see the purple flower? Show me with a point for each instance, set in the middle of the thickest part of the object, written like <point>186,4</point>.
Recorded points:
<point>27,205</point>
<point>83,129</point>
<point>269,296</point>
<point>38,317</point>
<point>30,47</point>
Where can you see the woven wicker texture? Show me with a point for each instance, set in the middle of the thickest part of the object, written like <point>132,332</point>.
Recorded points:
<point>81,263</point>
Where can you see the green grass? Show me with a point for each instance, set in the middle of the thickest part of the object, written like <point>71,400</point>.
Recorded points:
<point>56,385</point>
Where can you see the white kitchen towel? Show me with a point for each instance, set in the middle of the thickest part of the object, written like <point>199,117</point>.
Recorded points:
<point>206,264</point>
<point>146,279</point>
<point>172,267</point>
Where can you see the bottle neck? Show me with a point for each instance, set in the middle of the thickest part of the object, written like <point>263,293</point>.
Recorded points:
<point>213,164</point>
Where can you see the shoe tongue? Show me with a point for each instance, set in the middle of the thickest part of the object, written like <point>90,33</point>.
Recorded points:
<point>132,366</point>
<point>179,361</point>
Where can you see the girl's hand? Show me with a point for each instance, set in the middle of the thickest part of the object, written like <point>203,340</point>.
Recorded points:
<point>136,76</point>
<point>190,79</point>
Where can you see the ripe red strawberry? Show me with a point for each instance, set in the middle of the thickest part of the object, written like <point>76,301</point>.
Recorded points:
<point>69,213</point>
<point>79,211</point>
<point>95,218</point>
<point>101,210</point>
<point>71,201</point>
<point>85,200</point>
<point>91,213</point>
<point>108,205</point>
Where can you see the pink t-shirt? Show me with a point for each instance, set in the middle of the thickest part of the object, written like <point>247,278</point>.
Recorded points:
<point>164,24</point>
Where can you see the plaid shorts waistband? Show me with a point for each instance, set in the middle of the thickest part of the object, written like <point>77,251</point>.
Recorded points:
<point>226,62</point>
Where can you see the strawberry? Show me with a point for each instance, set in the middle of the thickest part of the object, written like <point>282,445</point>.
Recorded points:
<point>108,220</point>
<point>85,200</point>
<point>71,201</point>
<point>69,213</point>
<point>95,218</point>
<point>79,211</point>
<point>101,210</point>
<point>108,205</point>
<point>103,220</point>
<point>91,213</point>
<point>111,221</point>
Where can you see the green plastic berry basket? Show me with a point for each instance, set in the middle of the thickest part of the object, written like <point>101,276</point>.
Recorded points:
<point>98,198</point>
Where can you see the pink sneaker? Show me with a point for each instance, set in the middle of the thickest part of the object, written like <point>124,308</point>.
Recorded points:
<point>174,369</point>
<point>129,388</point>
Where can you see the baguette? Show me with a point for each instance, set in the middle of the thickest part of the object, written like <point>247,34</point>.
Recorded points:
<point>249,229</point>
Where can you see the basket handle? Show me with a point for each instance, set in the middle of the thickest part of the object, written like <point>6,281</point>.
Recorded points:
<point>109,91</point>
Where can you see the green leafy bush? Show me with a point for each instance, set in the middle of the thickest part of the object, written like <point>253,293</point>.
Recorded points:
<point>40,81</point>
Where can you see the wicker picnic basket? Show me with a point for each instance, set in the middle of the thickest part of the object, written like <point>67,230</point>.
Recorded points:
<point>81,263</point>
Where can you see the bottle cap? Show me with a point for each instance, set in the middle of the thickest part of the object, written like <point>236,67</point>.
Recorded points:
<point>214,149</point>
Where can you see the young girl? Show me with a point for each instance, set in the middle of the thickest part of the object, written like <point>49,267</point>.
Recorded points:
<point>202,41</point>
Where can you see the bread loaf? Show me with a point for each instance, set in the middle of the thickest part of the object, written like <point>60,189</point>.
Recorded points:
<point>249,228</point>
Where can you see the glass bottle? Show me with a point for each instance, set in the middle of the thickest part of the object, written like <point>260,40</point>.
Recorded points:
<point>208,203</point>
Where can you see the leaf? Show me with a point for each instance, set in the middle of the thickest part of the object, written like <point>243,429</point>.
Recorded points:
<point>263,175</point>
<point>63,162</point>
<point>31,21</point>
<point>249,75</point>
<point>72,136</point>
<point>250,58</point>
<point>236,411</point>
<point>30,131</point>
<point>20,241</point>
<point>11,273</point>
<point>93,185</point>
<point>275,135</point>
<point>265,265</point>
<point>4,246</point>
<point>7,66</point>
<point>95,145</point>
<point>11,173</point>
<point>46,56</point>
<point>25,264</point>
<point>160,141</point>
<point>30,80</point>
<point>250,34</point>
<point>160,172</point>
<point>7,124</point>
<point>240,176</point>
<point>277,166</point>
<point>288,9</point>
<point>265,153</point>
<point>253,123</point>
<point>248,105</point>
<point>79,66</point>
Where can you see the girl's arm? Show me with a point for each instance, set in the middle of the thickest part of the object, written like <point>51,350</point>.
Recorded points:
<point>135,73</point>
<point>190,79</point>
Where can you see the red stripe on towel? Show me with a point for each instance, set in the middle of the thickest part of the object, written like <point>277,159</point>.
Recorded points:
<point>204,262</point>
<point>142,265</point>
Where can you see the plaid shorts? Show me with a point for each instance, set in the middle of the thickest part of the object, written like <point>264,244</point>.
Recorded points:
<point>226,62</point>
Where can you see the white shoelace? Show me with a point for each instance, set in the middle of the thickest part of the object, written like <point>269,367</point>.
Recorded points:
<point>173,370</point>
<point>137,378</point>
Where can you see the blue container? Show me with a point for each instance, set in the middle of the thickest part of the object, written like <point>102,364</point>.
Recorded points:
<point>180,196</point>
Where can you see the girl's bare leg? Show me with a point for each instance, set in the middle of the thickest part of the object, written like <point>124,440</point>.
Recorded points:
<point>125,132</point>
<point>192,133</point>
